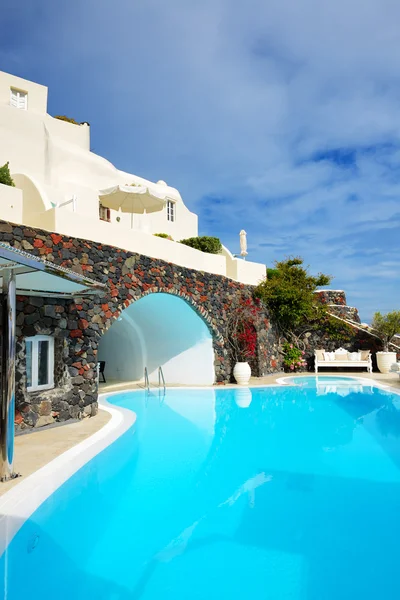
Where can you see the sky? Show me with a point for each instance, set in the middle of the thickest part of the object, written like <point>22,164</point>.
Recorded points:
<point>280,118</point>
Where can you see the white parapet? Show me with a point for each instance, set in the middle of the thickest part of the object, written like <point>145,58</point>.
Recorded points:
<point>63,221</point>
<point>245,271</point>
<point>68,223</point>
<point>248,272</point>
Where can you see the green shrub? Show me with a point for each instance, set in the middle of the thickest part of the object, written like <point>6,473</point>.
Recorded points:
<point>165,236</point>
<point>212,245</point>
<point>386,327</point>
<point>288,292</point>
<point>271,273</point>
<point>336,330</point>
<point>67,119</point>
<point>5,175</point>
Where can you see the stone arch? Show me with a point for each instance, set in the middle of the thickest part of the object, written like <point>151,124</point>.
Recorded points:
<point>202,312</point>
<point>131,334</point>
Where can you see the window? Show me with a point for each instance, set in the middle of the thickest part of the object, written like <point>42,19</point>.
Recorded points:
<point>104,213</point>
<point>39,362</point>
<point>18,99</point>
<point>170,210</point>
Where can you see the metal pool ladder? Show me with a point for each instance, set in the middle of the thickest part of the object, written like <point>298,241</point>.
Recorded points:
<point>146,379</point>
<point>161,379</point>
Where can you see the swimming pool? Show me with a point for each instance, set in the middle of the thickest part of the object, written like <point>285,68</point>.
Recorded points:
<point>284,492</point>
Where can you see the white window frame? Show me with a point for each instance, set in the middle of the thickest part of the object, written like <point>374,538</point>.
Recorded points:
<point>35,362</point>
<point>171,211</point>
<point>21,99</point>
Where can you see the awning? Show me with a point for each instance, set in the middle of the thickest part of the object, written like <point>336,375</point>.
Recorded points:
<point>39,277</point>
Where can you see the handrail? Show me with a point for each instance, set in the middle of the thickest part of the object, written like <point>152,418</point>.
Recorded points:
<point>70,201</point>
<point>161,377</point>
<point>146,379</point>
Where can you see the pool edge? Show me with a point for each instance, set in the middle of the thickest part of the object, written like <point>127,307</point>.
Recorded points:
<point>21,501</point>
<point>370,382</point>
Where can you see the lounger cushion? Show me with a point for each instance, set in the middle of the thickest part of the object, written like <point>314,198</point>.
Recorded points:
<point>365,354</point>
<point>320,354</point>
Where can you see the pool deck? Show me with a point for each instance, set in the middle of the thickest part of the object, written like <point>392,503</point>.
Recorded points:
<point>36,449</point>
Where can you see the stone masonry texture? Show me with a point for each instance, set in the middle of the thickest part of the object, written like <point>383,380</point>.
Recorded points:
<point>78,325</point>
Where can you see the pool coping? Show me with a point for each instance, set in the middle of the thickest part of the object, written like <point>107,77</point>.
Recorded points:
<point>285,381</point>
<point>21,501</point>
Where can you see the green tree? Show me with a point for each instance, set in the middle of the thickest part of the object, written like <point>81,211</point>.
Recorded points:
<point>386,326</point>
<point>288,292</point>
<point>5,175</point>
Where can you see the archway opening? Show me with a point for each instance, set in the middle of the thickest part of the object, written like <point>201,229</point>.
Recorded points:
<point>159,330</point>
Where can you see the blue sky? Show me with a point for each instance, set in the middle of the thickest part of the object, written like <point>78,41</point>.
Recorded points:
<point>282,118</point>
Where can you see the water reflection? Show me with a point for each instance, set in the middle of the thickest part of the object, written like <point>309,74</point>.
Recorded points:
<point>281,500</point>
<point>243,397</point>
<point>388,420</point>
<point>341,389</point>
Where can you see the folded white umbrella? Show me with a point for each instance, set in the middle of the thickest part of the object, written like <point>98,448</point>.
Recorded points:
<point>243,243</point>
<point>138,199</point>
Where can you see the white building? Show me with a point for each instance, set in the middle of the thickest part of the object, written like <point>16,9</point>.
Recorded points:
<point>58,181</point>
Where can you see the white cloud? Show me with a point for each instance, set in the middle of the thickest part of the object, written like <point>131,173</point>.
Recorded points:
<point>232,99</point>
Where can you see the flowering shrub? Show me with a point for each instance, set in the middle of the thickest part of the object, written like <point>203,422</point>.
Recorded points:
<point>247,339</point>
<point>241,329</point>
<point>293,357</point>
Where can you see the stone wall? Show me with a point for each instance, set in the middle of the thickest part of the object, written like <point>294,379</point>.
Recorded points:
<point>359,338</point>
<point>75,390</point>
<point>78,326</point>
<point>337,304</point>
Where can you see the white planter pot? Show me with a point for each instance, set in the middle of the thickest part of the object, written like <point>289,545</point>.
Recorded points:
<point>242,373</point>
<point>385,361</point>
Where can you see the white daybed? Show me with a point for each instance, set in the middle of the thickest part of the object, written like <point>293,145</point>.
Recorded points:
<point>343,358</point>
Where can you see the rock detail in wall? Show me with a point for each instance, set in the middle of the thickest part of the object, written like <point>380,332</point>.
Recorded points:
<point>335,300</point>
<point>78,326</point>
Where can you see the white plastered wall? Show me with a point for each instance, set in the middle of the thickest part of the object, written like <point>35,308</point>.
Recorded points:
<point>52,163</point>
<point>159,330</point>
<point>56,155</point>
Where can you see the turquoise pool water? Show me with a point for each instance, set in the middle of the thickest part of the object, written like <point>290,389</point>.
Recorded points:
<point>269,493</point>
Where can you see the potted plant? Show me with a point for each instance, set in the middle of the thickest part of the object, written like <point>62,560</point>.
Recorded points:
<point>242,337</point>
<point>386,327</point>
